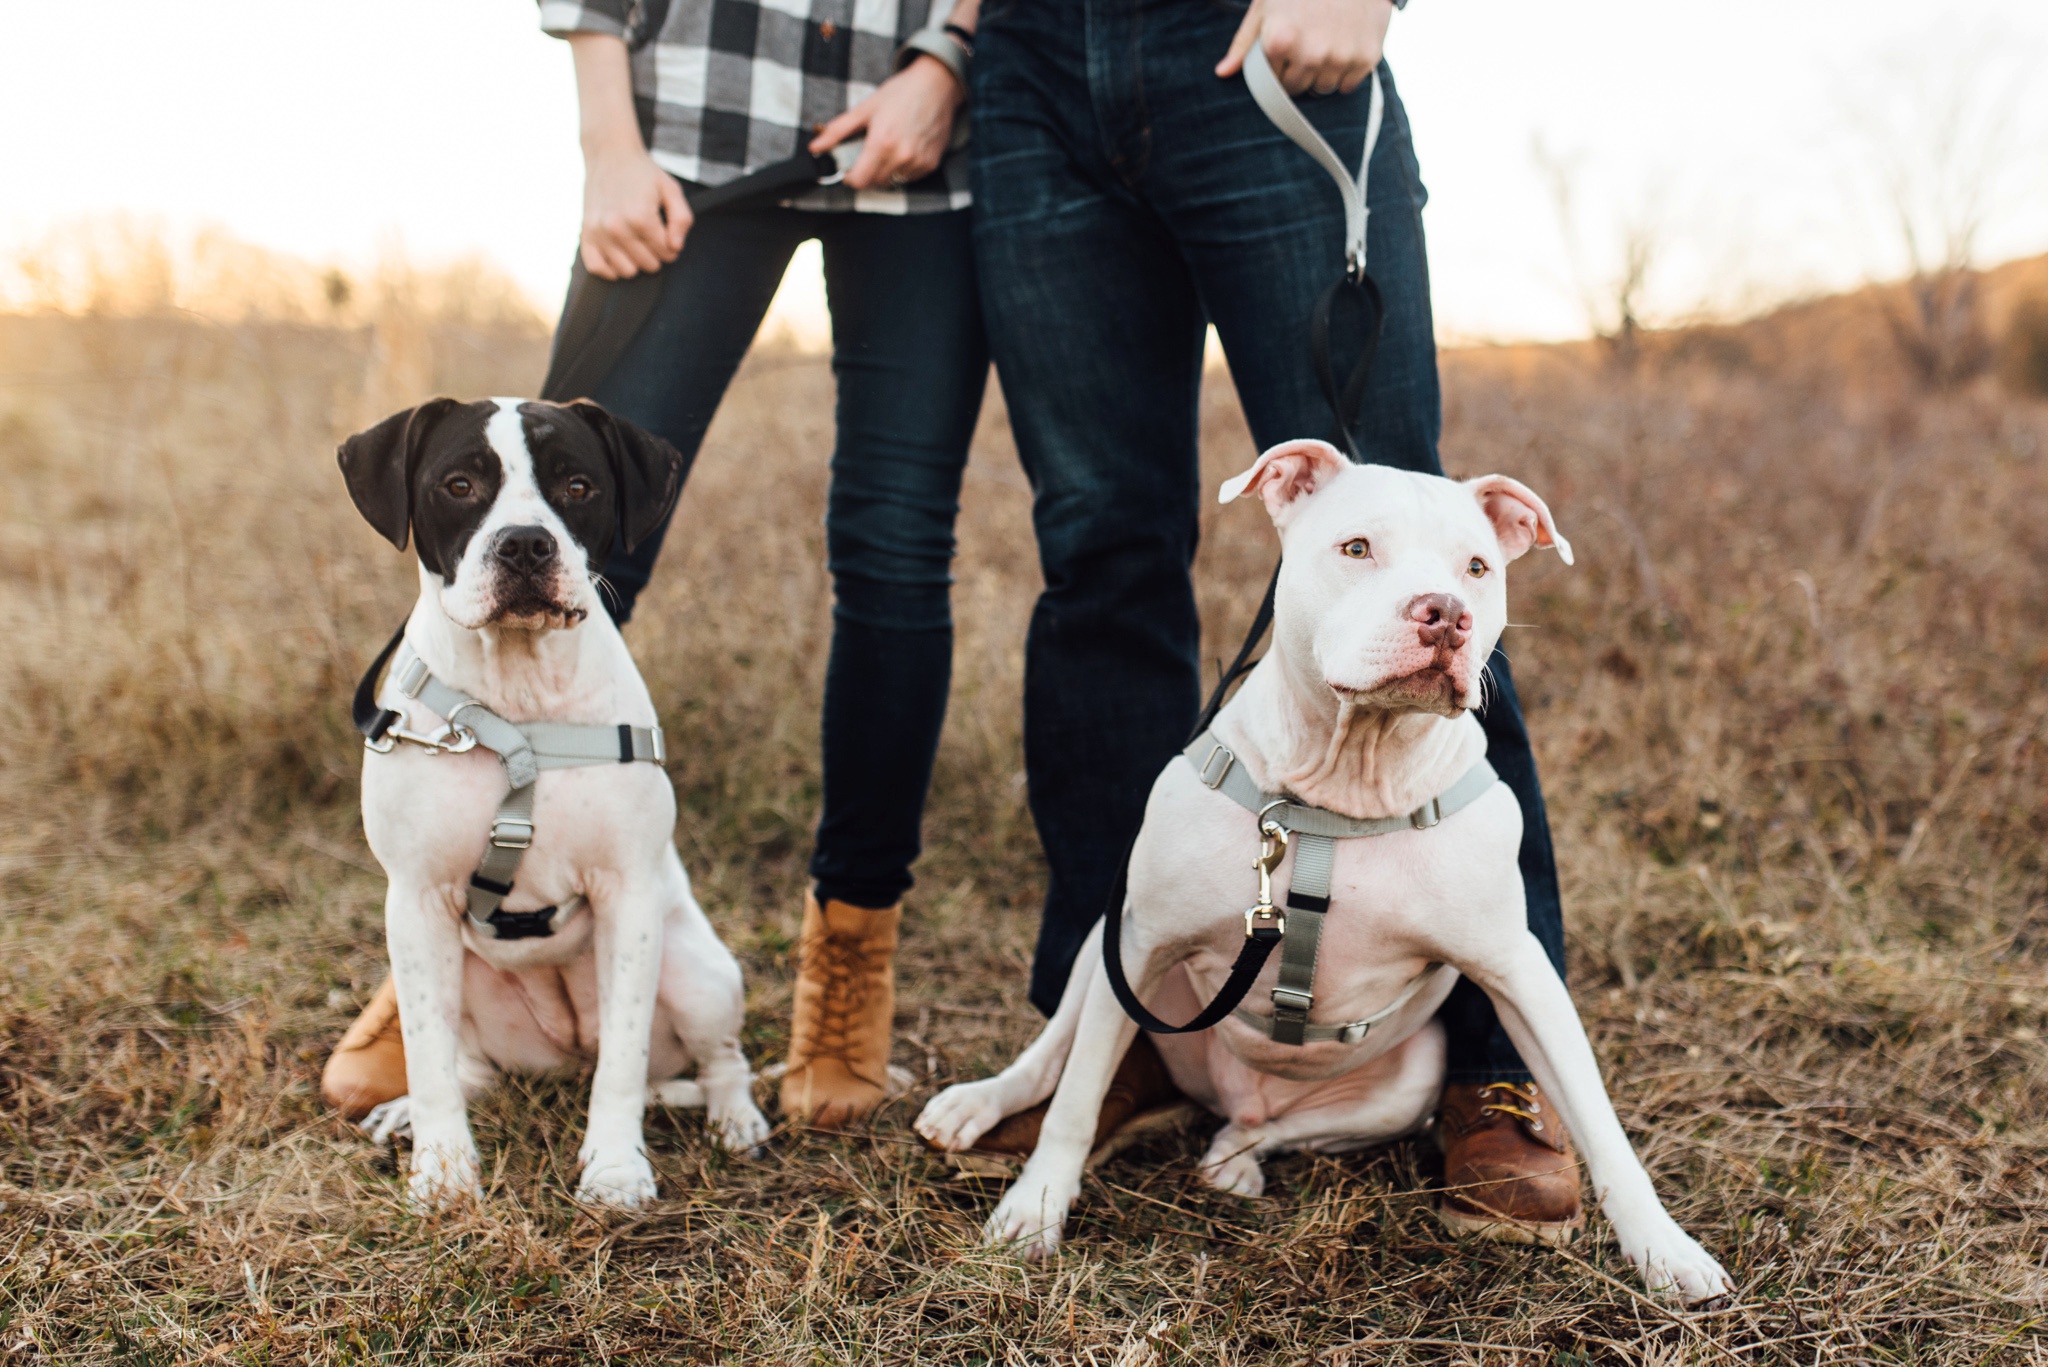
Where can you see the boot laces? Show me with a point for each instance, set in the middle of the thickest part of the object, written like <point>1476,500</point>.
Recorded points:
<point>1514,1092</point>
<point>850,967</point>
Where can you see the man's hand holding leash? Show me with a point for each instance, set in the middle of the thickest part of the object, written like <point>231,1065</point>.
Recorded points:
<point>1320,46</point>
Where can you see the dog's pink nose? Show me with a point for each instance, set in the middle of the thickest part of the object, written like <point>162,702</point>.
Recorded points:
<point>1442,620</point>
<point>524,550</point>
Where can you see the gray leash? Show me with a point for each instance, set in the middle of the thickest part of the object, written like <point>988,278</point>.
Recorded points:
<point>524,749</point>
<point>1286,115</point>
<point>1314,833</point>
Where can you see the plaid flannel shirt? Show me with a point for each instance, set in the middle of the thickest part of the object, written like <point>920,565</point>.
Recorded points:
<point>725,87</point>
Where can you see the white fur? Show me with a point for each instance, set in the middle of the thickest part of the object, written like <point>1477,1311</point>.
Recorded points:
<point>1331,715</point>
<point>638,978</point>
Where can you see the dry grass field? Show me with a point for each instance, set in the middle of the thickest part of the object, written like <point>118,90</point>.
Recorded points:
<point>1792,707</point>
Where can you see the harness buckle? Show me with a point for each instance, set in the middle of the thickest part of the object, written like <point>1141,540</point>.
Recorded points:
<point>1354,1032</point>
<point>512,833</point>
<point>1287,998</point>
<point>1228,759</point>
<point>1427,815</point>
<point>451,739</point>
<point>412,678</point>
<point>522,925</point>
<point>1264,922</point>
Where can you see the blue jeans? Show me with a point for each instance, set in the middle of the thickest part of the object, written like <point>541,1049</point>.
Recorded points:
<point>911,365</point>
<point>1124,198</point>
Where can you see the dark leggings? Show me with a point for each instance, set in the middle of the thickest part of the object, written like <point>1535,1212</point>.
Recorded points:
<point>911,365</point>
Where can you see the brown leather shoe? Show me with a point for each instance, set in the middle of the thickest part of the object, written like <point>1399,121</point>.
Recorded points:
<point>1141,1101</point>
<point>367,1068</point>
<point>838,1070</point>
<point>1509,1170</point>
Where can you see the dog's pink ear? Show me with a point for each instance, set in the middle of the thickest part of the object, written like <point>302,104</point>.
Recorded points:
<point>1287,472</point>
<point>1519,518</point>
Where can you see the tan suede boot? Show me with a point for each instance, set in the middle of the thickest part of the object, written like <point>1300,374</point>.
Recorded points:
<point>838,1069</point>
<point>367,1068</point>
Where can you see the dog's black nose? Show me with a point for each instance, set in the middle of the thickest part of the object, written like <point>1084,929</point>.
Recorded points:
<point>525,550</point>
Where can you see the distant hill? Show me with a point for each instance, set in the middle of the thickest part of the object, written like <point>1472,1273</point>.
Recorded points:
<point>1975,324</point>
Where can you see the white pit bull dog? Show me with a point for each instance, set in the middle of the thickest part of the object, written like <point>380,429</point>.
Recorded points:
<point>1391,597</point>
<point>598,946</point>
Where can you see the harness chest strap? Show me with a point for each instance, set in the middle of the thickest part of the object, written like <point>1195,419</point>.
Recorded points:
<point>1314,832</point>
<point>524,748</point>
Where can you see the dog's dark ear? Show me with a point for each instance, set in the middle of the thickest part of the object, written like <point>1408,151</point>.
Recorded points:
<point>647,470</point>
<point>378,466</point>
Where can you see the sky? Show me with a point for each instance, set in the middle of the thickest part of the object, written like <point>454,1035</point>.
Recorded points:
<point>1749,146</point>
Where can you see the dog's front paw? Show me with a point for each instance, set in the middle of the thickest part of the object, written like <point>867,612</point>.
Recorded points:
<point>961,1114</point>
<point>1032,1214</point>
<point>622,1178</point>
<point>392,1120</point>
<point>1675,1266</point>
<point>1232,1164</point>
<point>680,1093</point>
<point>444,1175</point>
<point>738,1126</point>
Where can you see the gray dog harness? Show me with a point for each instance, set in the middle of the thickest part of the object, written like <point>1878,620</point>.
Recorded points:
<point>1314,833</point>
<point>525,748</point>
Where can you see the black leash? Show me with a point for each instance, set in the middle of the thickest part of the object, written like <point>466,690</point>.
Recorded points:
<point>602,317</point>
<point>371,720</point>
<point>1359,288</point>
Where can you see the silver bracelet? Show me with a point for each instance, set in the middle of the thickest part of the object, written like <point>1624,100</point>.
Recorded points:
<point>935,42</point>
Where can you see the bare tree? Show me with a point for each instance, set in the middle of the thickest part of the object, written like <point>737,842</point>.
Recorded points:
<point>1936,129</point>
<point>1613,301</point>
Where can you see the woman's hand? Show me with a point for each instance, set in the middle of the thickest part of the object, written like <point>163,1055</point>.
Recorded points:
<point>634,213</point>
<point>908,122</point>
<point>1320,45</point>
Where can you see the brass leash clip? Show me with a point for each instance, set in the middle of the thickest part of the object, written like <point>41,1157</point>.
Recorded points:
<point>1265,921</point>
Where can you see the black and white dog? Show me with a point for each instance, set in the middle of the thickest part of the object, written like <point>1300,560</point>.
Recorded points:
<point>510,504</point>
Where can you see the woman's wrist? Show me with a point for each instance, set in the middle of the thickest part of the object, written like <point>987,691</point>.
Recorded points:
<point>941,47</point>
<point>611,142</point>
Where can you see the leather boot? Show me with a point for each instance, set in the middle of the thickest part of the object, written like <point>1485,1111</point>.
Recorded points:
<point>838,1070</point>
<point>1509,1170</point>
<point>1141,1101</point>
<point>367,1068</point>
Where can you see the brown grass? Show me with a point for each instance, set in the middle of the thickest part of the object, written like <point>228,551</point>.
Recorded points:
<point>1792,714</point>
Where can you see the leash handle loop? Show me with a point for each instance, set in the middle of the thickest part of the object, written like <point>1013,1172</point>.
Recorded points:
<point>1286,115</point>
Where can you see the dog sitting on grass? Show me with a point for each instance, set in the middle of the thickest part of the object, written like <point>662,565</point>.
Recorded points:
<point>1391,596</point>
<point>538,913</point>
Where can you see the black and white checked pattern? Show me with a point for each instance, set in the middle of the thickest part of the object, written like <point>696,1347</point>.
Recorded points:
<point>724,87</point>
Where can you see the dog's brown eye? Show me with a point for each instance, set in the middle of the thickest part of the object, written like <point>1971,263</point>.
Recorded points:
<point>1477,569</point>
<point>458,486</point>
<point>1357,548</point>
<point>580,488</point>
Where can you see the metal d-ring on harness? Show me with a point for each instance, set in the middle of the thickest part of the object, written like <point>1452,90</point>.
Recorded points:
<point>525,748</point>
<point>1313,831</point>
